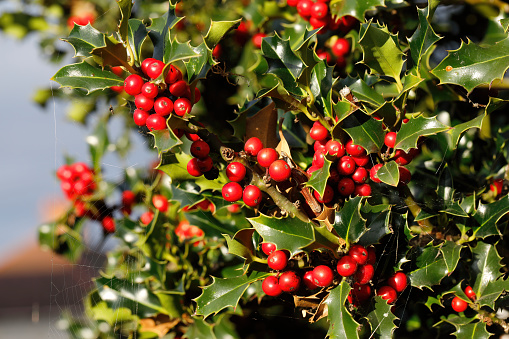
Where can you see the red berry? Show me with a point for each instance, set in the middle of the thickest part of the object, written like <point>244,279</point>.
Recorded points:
<point>174,75</point>
<point>232,191</point>
<point>80,187</point>
<point>191,136</point>
<point>312,169</point>
<point>193,168</point>
<point>197,95</point>
<point>279,170</point>
<point>145,63</point>
<point>118,89</point>
<point>163,106</point>
<point>335,148</point>
<point>270,286</point>
<point>318,131</point>
<point>318,159</point>
<point>390,139</point>
<point>364,274</point>
<point>117,70</point>
<point>308,280</point>
<point>361,161</point>
<point>354,150</point>
<point>133,84</point>
<point>346,187</point>
<point>143,103</point>
<point>80,209</point>
<point>178,88</point>
<point>257,39</point>
<point>252,195</point>
<point>292,3</point>
<point>108,224</point>
<point>289,281</point>
<point>149,90</point>
<point>497,186</point>
<point>341,47</point>
<point>140,117</point>
<point>80,168</point>
<point>233,208</point>
<point>373,173</point>
<point>154,69</point>
<point>65,172</point>
<point>387,293</point>
<point>346,165</point>
<point>458,304</point>
<point>268,247</point>
<point>360,293</point>
<point>328,195</point>
<point>277,260</point>
<point>200,149</point>
<point>359,254</point>
<point>404,175</point>
<point>317,23</point>
<point>304,8</point>
<point>360,175</point>
<point>128,198</point>
<point>253,146</point>
<point>160,202</point>
<point>469,291</point>
<point>146,218</point>
<point>362,190</point>
<point>235,171</point>
<point>322,276</point>
<point>371,255</point>
<point>205,164</point>
<point>346,266</point>
<point>182,106</point>
<point>267,156</point>
<point>398,281</point>
<point>155,122</point>
<point>402,158</point>
<point>319,145</point>
<point>319,10</point>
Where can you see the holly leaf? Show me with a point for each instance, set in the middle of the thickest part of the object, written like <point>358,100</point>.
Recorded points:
<point>485,266</point>
<point>377,225</point>
<point>364,131</point>
<point>159,29</point>
<point>339,8</point>
<point>381,53</point>
<point>197,67</point>
<point>200,329</point>
<point>113,53</point>
<point>84,39</point>
<point>321,85</point>
<point>475,330</point>
<point>217,30</point>
<point>165,140</point>
<point>472,65</point>
<point>432,268</point>
<point>287,233</point>
<point>223,293</point>
<point>433,301</point>
<point>492,292</point>
<point>455,133</point>
<point>488,215</point>
<point>423,38</point>
<point>349,223</point>
<point>318,180</point>
<point>136,35</point>
<point>410,132</point>
<point>381,319</point>
<point>241,244</point>
<point>387,112</point>
<point>175,51</point>
<point>456,321</point>
<point>505,24</point>
<point>451,254</point>
<point>83,75</point>
<point>389,173</point>
<point>125,13</point>
<point>211,226</point>
<point>342,324</point>
<point>362,91</point>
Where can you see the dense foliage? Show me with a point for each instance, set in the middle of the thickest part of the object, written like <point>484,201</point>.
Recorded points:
<point>332,169</point>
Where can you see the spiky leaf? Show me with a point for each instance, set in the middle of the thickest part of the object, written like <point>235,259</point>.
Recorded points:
<point>382,319</point>
<point>492,292</point>
<point>389,173</point>
<point>165,140</point>
<point>354,8</point>
<point>84,75</point>
<point>125,13</point>
<point>84,39</point>
<point>342,324</point>
<point>432,268</point>
<point>136,35</point>
<point>456,132</point>
<point>217,31</point>
<point>349,222</point>
<point>318,180</point>
<point>158,31</point>
<point>488,215</point>
<point>475,330</point>
<point>365,131</point>
<point>410,132</point>
<point>423,38</point>
<point>451,253</point>
<point>486,266</point>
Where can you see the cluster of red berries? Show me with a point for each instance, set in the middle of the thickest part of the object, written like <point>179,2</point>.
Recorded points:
<point>287,281</point>
<point>460,305</point>
<point>351,171</point>
<point>395,284</point>
<point>340,49</point>
<point>201,163</point>
<point>156,101</point>
<point>186,231</point>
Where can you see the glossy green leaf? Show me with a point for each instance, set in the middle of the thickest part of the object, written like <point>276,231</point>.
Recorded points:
<point>136,35</point>
<point>433,301</point>
<point>349,223</point>
<point>488,215</point>
<point>492,292</point>
<point>197,67</point>
<point>456,320</point>
<point>381,53</point>
<point>445,189</point>
<point>410,132</point>
<point>318,180</point>
<point>456,132</point>
<point>387,112</point>
<point>113,53</point>
<point>339,8</point>
<point>125,13</point>
<point>165,140</point>
<point>224,293</point>
<point>381,319</point>
<point>451,253</point>
<point>175,51</point>
<point>158,31</point>
<point>472,65</point>
<point>287,233</point>
<point>505,23</point>
<point>342,324</point>
<point>389,173</point>
<point>432,268</point>
<point>100,311</point>
<point>298,34</point>
<point>423,38</point>
<point>365,131</point>
<point>84,75</point>
<point>378,226</point>
<point>362,91</point>
<point>485,266</point>
<point>84,39</point>
<point>321,87</point>
<point>98,143</point>
<point>218,30</point>
<point>241,244</point>
<point>211,226</point>
<point>475,330</point>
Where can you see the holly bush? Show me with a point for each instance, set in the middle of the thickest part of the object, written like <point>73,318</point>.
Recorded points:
<point>325,169</point>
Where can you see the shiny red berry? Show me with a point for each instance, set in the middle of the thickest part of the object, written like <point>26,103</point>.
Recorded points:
<point>364,274</point>
<point>341,47</point>
<point>146,218</point>
<point>354,150</point>
<point>304,8</point>
<point>335,148</point>
<point>267,156</point>
<point>328,195</point>
<point>398,281</point>
<point>149,90</point>
<point>235,171</point>
<point>270,286</point>
<point>292,3</point>
<point>128,198</point>
<point>179,88</point>
<point>362,190</point>
<point>174,75</point>
<point>318,159</point>
<point>143,103</point>
<point>402,158</point>
<point>458,304</point>
<point>360,293</point>
<point>373,173</point>
<point>205,164</point>
<point>253,146</point>
<point>289,281</point>
<point>232,191</point>
<point>145,63</point>
<point>155,122</point>
<point>469,291</point>
<point>390,139</point>
<point>322,276</point>
<point>252,195</point>
<point>387,293</point>
<point>346,266</point>
<point>163,106</point>
<point>257,39</point>
<point>361,161</point>
<point>318,132</point>
<point>308,280</point>
<point>319,10</point>
<point>346,165</point>
<point>319,145</point>
<point>140,117</point>
<point>404,175</point>
<point>154,69</point>
<point>200,149</point>
<point>268,247</point>
<point>346,186</point>
<point>277,260</point>
<point>160,202</point>
<point>360,175</point>
<point>108,224</point>
<point>193,168</point>
<point>358,253</point>
<point>182,106</point>
<point>280,171</point>
<point>133,84</point>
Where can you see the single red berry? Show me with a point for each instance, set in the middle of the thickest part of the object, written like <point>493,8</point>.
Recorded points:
<point>497,186</point>
<point>149,90</point>
<point>253,146</point>
<point>335,148</point>
<point>319,145</point>
<point>292,3</point>
<point>80,209</point>
<point>217,51</point>
<point>362,190</point>
<point>469,291</point>
<point>267,156</point>
<point>277,260</point>
<point>108,224</point>
<point>147,217</point>
<point>360,293</point>
<point>233,208</point>
<point>318,159</point>
<point>268,247</point>
<point>308,280</point>
<point>257,39</point>
<point>235,171</point>
<point>143,103</point>
<point>398,281</point>
<point>191,136</point>
<point>182,106</point>
<point>322,276</point>
<point>319,10</point>
<point>328,195</point>
<point>133,84</point>
<point>252,195</point>
<point>205,164</point>
<point>155,122</point>
<point>360,175</point>
<point>193,168</point>
<point>458,304</point>
<point>362,160</point>
<point>289,281</point>
<point>390,139</point>
<point>280,171</point>
<point>174,75</point>
<point>80,168</point>
<point>346,165</point>
<point>373,173</point>
<point>145,63</point>
<point>163,106</point>
<point>402,158</point>
<point>346,186</point>
<point>318,131</point>
<point>81,187</point>
<point>128,198</point>
<point>197,95</point>
<point>324,55</point>
<point>140,117</point>
<point>354,150</point>
<point>304,8</point>
<point>270,286</point>
<point>346,266</point>
<point>154,69</point>
<point>117,70</point>
<point>200,149</point>
<point>117,89</point>
<point>405,120</point>
<point>160,202</point>
<point>364,274</point>
<point>359,254</point>
<point>179,88</point>
<point>341,47</point>
<point>404,175</point>
<point>318,23</point>
<point>232,191</point>
<point>371,255</point>
<point>387,293</point>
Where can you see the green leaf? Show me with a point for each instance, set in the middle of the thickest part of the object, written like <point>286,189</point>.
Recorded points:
<point>342,324</point>
<point>241,244</point>
<point>175,51</point>
<point>211,226</point>
<point>456,132</point>
<point>382,319</point>
<point>136,35</point>
<point>432,268</point>
<point>200,329</point>
<point>456,321</point>
<point>159,29</point>
<point>410,132</point>
<point>224,293</point>
<point>218,30</point>
<point>451,253</point>
<point>492,292</point>
<point>355,8</point>
<point>298,34</point>
<point>433,301</point>
<point>488,215</point>
<point>113,53</point>
<point>381,53</point>
<point>486,266</point>
<point>475,330</point>
<point>84,39</point>
<point>197,67</point>
<point>98,143</point>
<point>318,180</point>
<point>84,75</point>
<point>387,112</point>
<point>472,65</point>
<point>125,13</point>
<point>349,222</point>
<point>365,131</point>
<point>377,225</point>
<point>287,233</point>
<point>362,91</point>
<point>505,23</point>
<point>423,38</point>
<point>165,140</point>
<point>389,173</point>
<point>321,85</point>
